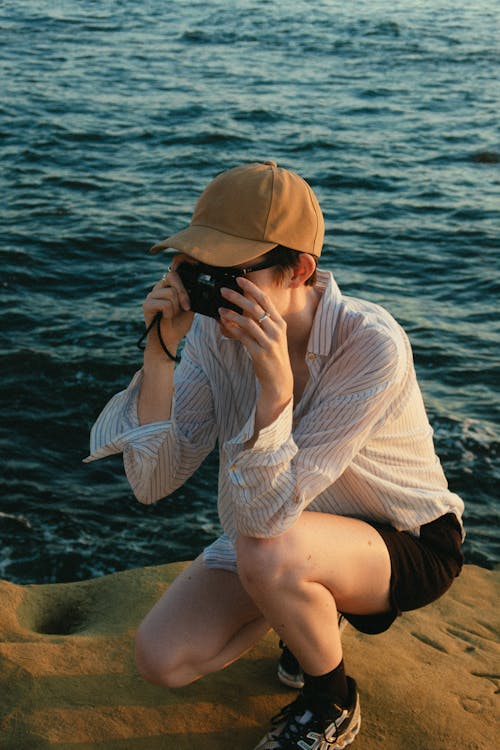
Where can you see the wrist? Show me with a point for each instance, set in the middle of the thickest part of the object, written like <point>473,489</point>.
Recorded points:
<point>158,367</point>
<point>268,408</point>
<point>156,342</point>
<point>276,394</point>
<point>153,342</point>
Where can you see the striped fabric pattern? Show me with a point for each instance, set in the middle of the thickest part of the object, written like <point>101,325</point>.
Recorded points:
<point>358,443</point>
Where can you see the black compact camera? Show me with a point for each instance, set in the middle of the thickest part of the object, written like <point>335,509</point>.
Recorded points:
<point>203,284</point>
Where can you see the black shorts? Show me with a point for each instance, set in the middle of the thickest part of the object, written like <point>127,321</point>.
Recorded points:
<point>422,569</point>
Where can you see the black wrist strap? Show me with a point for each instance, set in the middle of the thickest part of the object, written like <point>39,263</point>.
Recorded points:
<point>157,320</point>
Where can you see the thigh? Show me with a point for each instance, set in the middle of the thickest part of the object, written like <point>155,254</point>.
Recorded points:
<point>422,569</point>
<point>347,556</point>
<point>199,614</point>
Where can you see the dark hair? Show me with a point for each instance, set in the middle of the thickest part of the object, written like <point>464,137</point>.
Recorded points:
<point>287,258</point>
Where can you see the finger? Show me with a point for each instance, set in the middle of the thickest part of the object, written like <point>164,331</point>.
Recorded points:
<point>265,316</point>
<point>172,280</point>
<point>164,300</point>
<point>246,328</point>
<point>257,311</point>
<point>232,330</point>
<point>257,294</point>
<point>247,304</point>
<point>165,307</point>
<point>163,293</point>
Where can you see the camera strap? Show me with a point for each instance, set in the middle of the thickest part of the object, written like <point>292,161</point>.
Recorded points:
<point>156,321</point>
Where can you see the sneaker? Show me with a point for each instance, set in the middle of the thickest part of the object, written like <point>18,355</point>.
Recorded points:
<point>289,670</point>
<point>299,725</point>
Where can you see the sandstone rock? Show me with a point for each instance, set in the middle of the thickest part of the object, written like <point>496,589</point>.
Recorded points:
<point>68,679</point>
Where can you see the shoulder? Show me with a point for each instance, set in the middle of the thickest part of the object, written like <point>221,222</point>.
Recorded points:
<point>359,315</point>
<point>369,334</point>
<point>348,318</point>
<point>358,336</point>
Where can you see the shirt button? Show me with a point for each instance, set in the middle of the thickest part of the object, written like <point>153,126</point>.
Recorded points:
<point>232,467</point>
<point>296,498</point>
<point>311,356</point>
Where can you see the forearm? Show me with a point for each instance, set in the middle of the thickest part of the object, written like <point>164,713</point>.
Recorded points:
<point>157,387</point>
<point>267,410</point>
<point>264,336</point>
<point>169,298</point>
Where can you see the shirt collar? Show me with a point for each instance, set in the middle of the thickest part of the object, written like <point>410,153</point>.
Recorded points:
<point>325,319</point>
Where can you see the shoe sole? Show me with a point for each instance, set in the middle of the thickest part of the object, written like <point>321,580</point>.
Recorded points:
<point>344,742</point>
<point>292,681</point>
<point>350,737</point>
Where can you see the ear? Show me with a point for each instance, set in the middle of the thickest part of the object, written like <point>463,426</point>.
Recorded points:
<point>303,270</point>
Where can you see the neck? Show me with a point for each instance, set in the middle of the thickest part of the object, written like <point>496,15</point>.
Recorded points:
<point>299,319</point>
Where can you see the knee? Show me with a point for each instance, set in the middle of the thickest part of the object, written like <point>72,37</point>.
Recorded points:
<point>155,663</point>
<point>263,563</point>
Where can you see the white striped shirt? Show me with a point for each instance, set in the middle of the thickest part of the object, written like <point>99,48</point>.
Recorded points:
<point>358,443</point>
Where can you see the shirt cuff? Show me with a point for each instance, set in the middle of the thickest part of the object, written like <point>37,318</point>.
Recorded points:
<point>118,426</point>
<point>143,439</point>
<point>271,437</point>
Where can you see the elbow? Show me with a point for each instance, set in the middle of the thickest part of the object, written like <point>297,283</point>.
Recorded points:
<point>143,498</point>
<point>149,492</point>
<point>146,493</point>
<point>142,480</point>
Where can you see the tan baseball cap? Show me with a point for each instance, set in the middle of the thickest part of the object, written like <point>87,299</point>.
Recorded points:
<point>247,211</point>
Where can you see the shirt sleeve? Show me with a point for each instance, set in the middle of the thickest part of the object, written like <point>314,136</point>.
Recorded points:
<point>159,457</point>
<point>276,479</point>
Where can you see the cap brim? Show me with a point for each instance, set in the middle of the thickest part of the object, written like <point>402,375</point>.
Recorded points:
<point>214,247</point>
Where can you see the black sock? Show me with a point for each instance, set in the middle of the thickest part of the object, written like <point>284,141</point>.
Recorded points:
<point>331,686</point>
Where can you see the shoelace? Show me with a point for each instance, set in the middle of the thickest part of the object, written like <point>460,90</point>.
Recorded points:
<point>296,707</point>
<point>292,713</point>
<point>292,710</point>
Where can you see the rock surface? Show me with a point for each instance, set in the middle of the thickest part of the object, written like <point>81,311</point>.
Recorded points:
<point>68,681</point>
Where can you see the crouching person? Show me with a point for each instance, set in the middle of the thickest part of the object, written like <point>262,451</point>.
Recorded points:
<point>330,495</point>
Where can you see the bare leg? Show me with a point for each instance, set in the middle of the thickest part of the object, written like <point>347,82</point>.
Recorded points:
<point>202,623</point>
<point>300,578</point>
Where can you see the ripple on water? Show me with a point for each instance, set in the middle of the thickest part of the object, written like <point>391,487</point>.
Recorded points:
<point>115,116</point>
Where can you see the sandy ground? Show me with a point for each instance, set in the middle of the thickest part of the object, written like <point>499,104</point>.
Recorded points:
<point>68,681</point>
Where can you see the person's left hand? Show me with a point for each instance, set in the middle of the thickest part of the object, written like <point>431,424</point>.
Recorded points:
<point>262,331</point>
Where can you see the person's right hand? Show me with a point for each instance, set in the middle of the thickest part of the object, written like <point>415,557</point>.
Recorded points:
<point>170,298</point>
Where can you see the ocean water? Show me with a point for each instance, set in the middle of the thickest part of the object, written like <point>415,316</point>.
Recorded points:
<point>114,115</point>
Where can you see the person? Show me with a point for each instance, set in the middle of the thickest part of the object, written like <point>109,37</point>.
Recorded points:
<point>330,494</point>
